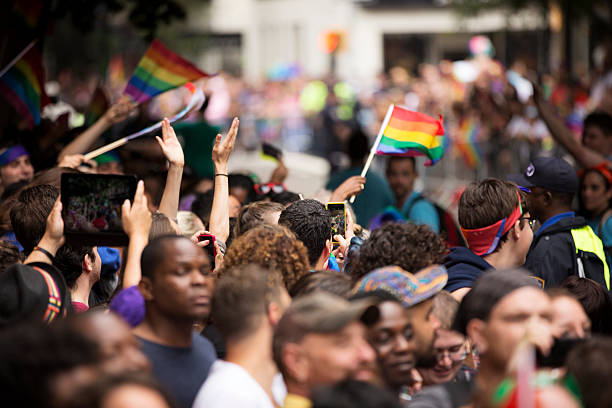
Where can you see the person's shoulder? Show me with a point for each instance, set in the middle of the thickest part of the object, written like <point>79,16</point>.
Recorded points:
<point>223,374</point>
<point>607,230</point>
<point>559,233</point>
<point>431,397</point>
<point>422,203</point>
<point>202,345</point>
<point>229,385</point>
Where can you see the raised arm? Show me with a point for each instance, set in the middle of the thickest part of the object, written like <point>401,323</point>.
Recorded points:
<point>219,215</point>
<point>53,238</point>
<point>561,133</point>
<point>115,114</point>
<point>136,219</point>
<point>174,154</point>
<point>279,174</point>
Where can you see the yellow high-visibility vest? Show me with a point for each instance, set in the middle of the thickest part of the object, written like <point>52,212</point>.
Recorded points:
<point>587,241</point>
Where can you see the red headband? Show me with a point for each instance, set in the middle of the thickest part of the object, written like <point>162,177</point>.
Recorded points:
<point>601,169</point>
<point>483,241</point>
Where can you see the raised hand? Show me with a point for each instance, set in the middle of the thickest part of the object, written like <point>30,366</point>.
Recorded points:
<point>222,149</point>
<point>170,145</point>
<point>136,217</point>
<point>53,238</point>
<point>120,110</point>
<point>75,160</point>
<point>349,187</point>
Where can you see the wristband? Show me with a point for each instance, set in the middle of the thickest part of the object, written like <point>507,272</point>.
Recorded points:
<point>45,252</point>
<point>222,174</point>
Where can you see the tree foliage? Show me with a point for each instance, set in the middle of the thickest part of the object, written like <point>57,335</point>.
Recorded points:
<point>145,15</point>
<point>572,8</point>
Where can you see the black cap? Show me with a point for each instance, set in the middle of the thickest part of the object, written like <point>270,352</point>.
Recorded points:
<point>35,292</point>
<point>550,173</point>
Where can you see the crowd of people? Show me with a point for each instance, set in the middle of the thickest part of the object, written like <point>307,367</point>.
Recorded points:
<point>234,292</point>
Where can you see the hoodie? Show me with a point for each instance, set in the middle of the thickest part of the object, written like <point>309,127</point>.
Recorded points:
<point>463,267</point>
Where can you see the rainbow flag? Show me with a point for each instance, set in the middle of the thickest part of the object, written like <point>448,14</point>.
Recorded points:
<point>23,86</point>
<point>467,143</point>
<point>158,71</point>
<point>97,107</point>
<point>408,133</point>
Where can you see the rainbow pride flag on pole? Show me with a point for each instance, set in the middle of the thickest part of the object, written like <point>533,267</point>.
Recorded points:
<point>407,133</point>
<point>23,85</point>
<point>158,71</point>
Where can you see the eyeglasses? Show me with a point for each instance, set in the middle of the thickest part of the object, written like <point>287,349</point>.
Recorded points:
<point>530,221</point>
<point>265,189</point>
<point>456,354</point>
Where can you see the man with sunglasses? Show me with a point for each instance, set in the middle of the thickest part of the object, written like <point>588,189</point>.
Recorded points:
<point>564,245</point>
<point>496,227</point>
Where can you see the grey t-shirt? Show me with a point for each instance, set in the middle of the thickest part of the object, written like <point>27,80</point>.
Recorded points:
<point>453,394</point>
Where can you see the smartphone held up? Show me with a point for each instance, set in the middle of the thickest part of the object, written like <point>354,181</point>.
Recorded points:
<point>210,249</point>
<point>337,211</point>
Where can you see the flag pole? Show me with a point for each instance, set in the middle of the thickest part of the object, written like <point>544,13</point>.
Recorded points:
<point>17,58</point>
<point>195,103</point>
<point>375,145</point>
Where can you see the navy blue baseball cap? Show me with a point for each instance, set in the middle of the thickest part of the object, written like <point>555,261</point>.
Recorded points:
<point>550,173</point>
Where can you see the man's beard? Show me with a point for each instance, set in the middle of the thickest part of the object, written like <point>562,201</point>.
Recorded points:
<point>427,358</point>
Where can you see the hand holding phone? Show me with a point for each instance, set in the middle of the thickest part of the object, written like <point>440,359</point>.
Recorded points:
<point>211,249</point>
<point>337,211</point>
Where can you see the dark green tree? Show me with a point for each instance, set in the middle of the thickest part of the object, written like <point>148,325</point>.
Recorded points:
<point>25,20</point>
<point>598,11</point>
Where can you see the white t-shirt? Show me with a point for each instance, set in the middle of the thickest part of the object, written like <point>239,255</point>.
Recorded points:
<point>229,385</point>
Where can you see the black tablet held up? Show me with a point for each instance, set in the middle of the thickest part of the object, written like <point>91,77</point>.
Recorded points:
<point>91,208</point>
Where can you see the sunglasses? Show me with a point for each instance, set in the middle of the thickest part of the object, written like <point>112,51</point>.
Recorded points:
<point>530,221</point>
<point>265,189</point>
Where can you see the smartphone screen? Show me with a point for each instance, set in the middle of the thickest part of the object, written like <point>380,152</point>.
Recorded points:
<point>210,249</point>
<point>337,212</point>
<point>91,207</point>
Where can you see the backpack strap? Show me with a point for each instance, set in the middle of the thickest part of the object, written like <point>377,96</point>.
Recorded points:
<point>416,200</point>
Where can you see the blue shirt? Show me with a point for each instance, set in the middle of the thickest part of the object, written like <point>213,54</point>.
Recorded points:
<point>421,211</point>
<point>553,220</point>
<point>605,235</point>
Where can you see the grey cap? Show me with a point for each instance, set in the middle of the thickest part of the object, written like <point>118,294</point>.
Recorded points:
<point>323,312</point>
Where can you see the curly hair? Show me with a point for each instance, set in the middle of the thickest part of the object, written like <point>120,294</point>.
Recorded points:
<point>407,245</point>
<point>270,246</point>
